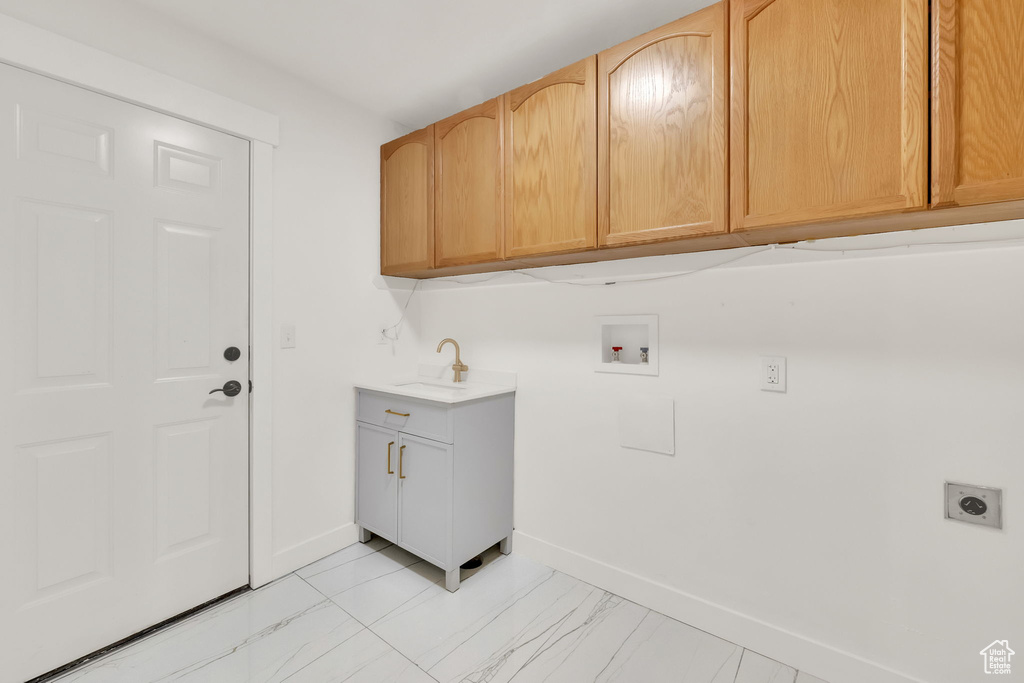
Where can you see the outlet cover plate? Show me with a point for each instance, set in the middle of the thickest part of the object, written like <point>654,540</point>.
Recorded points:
<point>962,504</point>
<point>773,373</point>
<point>288,336</point>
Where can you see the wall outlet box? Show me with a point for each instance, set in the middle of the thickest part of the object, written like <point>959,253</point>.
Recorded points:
<point>974,504</point>
<point>773,373</point>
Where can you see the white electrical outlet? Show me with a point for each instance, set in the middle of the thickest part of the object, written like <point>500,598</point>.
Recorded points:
<point>773,373</point>
<point>287,336</point>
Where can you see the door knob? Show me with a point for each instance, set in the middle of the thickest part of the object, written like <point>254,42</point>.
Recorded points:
<point>231,388</point>
<point>232,353</point>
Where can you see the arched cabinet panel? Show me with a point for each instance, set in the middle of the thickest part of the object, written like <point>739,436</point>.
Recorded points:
<point>662,132</point>
<point>551,163</point>
<point>469,209</point>
<point>407,203</point>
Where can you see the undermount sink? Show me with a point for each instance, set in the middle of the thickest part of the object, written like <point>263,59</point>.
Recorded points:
<point>442,389</point>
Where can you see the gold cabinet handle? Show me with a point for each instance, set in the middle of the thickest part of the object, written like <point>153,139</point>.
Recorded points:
<point>390,471</point>
<point>401,452</point>
<point>391,412</point>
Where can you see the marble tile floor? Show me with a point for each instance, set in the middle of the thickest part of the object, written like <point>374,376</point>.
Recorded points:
<point>373,613</point>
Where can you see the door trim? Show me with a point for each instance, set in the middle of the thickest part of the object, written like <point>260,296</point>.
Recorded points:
<point>28,47</point>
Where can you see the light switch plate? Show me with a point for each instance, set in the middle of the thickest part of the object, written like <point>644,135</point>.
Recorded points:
<point>287,336</point>
<point>974,504</point>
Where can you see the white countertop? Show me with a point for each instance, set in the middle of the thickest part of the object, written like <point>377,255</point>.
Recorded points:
<point>435,384</point>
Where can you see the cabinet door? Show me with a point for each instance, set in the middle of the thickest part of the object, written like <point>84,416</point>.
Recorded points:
<point>426,500</point>
<point>468,186</point>
<point>377,480</point>
<point>407,203</point>
<point>829,109</point>
<point>662,132</point>
<point>551,163</point>
<point>977,101</point>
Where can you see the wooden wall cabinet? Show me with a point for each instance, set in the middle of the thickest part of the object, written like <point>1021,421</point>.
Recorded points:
<point>551,163</point>
<point>468,179</point>
<point>829,109</point>
<point>407,203</point>
<point>977,101</point>
<point>662,132</point>
<point>749,122</point>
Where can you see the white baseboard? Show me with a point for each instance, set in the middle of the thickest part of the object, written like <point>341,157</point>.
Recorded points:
<point>816,658</point>
<point>299,555</point>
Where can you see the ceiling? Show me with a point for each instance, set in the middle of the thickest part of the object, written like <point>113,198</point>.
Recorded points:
<point>418,61</point>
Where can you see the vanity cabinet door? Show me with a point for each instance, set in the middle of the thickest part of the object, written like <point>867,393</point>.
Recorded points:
<point>469,205</point>
<point>377,480</point>
<point>662,132</point>
<point>977,101</point>
<point>407,203</point>
<point>425,508</point>
<point>829,109</point>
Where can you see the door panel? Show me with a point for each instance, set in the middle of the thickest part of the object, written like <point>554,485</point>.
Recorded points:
<point>124,275</point>
<point>66,529</point>
<point>662,132</point>
<point>551,163</point>
<point>64,280</point>
<point>469,207</point>
<point>407,203</point>
<point>829,109</point>
<point>425,502</point>
<point>377,480</point>
<point>977,100</point>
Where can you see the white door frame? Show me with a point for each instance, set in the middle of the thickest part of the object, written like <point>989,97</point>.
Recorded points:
<point>29,47</point>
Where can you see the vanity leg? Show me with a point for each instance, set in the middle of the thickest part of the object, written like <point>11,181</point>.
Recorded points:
<point>364,535</point>
<point>506,545</point>
<point>451,580</point>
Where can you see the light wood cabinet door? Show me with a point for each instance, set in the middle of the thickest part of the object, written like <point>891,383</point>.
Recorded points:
<point>468,177</point>
<point>551,163</point>
<point>662,132</point>
<point>977,101</point>
<point>407,203</point>
<point>829,109</point>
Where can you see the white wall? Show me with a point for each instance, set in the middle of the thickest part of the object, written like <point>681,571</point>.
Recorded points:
<point>818,512</point>
<point>326,213</point>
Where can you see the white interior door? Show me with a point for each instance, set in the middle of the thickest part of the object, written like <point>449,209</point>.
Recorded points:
<point>123,280</point>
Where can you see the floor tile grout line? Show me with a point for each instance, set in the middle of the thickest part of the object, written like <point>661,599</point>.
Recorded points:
<point>306,666</point>
<point>370,630</point>
<point>739,667</point>
<point>401,654</point>
<point>355,559</point>
<point>708,633</point>
<point>406,602</point>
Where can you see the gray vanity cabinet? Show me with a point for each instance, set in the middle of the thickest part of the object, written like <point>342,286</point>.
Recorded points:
<point>435,478</point>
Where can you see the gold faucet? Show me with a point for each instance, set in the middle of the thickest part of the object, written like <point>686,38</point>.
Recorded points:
<point>459,367</point>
